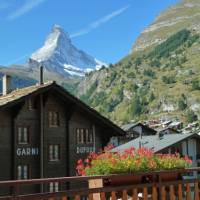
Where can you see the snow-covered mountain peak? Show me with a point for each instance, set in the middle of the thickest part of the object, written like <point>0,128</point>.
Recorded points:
<point>57,27</point>
<point>56,38</point>
<point>59,52</point>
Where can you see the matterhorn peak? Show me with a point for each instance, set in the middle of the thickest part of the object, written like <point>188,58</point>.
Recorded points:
<point>59,55</point>
<point>54,41</point>
<point>56,27</point>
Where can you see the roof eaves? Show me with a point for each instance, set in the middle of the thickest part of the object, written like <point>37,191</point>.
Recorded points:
<point>43,88</point>
<point>89,109</point>
<point>177,141</point>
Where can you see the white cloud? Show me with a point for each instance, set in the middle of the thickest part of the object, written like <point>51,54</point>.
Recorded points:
<point>99,22</point>
<point>25,8</point>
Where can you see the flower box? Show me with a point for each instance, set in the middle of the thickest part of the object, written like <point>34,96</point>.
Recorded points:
<point>123,180</point>
<point>130,161</point>
<point>167,177</point>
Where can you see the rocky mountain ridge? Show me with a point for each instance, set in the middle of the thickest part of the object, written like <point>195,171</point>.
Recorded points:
<point>60,55</point>
<point>62,62</point>
<point>184,14</point>
<point>159,78</point>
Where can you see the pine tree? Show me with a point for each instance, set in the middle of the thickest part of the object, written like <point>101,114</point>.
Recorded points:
<point>191,117</point>
<point>136,107</point>
<point>181,104</point>
<point>152,97</point>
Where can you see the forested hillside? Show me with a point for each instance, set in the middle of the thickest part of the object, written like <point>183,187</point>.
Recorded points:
<point>161,81</point>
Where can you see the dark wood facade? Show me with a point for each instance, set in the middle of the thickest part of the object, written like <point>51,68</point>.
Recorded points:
<point>44,132</point>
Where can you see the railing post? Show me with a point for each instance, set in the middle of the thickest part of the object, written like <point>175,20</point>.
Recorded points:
<point>154,192</point>
<point>15,192</point>
<point>160,188</point>
<point>196,190</point>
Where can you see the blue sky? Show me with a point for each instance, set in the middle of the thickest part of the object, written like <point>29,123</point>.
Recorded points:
<point>106,29</point>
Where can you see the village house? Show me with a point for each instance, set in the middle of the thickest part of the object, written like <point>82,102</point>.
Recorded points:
<point>177,125</point>
<point>132,131</point>
<point>138,129</point>
<point>191,127</point>
<point>167,130</point>
<point>158,123</point>
<point>44,130</point>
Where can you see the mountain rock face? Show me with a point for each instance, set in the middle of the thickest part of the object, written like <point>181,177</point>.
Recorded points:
<point>160,78</point>
<point>59,55</point>
<point>183,15</point>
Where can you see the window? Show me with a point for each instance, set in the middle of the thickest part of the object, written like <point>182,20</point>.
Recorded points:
<point>79,136</point>
<point>22,171</point>
<point>53,119</point>
<point>89,136</point>
<point>22,135</point>
<point>54,152</point>
<point>31,104</point>
<point>84,136</point>
<point>53,187</point>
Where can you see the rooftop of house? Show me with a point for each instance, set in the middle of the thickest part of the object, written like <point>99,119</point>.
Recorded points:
<point>167,128</point>
<point>19,95</point>
<point>175,123</point>
<point>127,127</point>
<point>155,142</point>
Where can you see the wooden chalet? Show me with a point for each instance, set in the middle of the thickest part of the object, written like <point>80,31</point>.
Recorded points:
<point>44,130</point>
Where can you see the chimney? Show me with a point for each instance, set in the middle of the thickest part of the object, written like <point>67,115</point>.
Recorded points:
<point>41,81</point>
<point>6,84</point>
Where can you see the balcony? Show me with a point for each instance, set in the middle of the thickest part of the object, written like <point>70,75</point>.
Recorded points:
<point>156,189</point>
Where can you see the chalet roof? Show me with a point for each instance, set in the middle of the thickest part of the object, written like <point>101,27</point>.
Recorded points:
<point>127,127</point>
<point>154,142</point>
<point>174,124</point>
<point>20,95</point>
<point>167,128</point>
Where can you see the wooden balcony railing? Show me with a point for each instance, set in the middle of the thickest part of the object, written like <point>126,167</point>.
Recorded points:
<point>76,188</point>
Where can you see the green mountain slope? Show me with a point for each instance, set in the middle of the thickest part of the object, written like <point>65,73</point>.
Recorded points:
<point>161,79</point>
<point>185,14</point>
